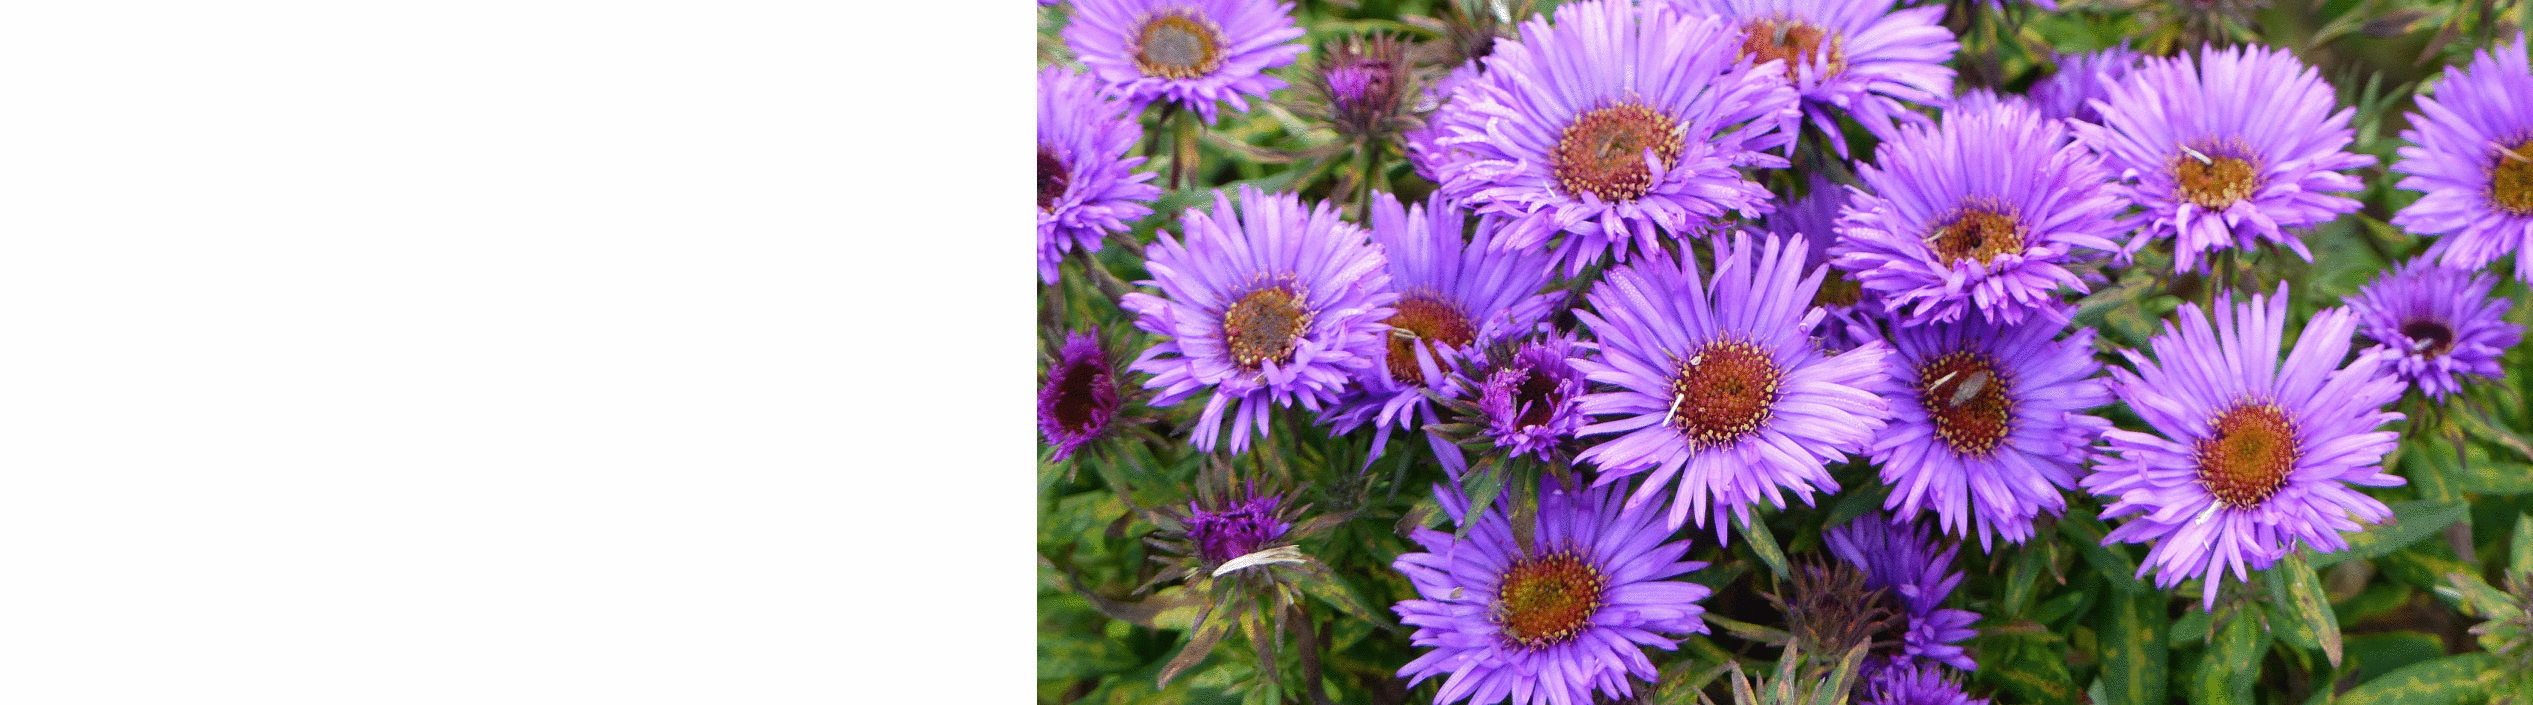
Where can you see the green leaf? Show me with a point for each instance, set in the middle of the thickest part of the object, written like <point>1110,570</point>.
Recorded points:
<point>2451,680</point>
<point>2302,612</point>
<point>2472,423</point>
<point>2521,558</point>
<point>1483,483</point>
<point>1199,644</point>
<point>2133,654</point>
<point>2411,521</point>
<point>1340,594</point>
<point>2025,575</point>
<point>1755,535</point>
<point>2231,663</point>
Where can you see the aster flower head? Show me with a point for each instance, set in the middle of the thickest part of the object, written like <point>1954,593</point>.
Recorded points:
<point>2250,456</point>
<point>1363,87</point>
<point>1613,125</point>
<point>2082,78</point>
<point>1719,386</point>
<point>1977,217</point>
<point>1528,397</point>
<point>1988,422</point>
<point>1903,563</point>
<point>1554,621</point>
<point>2226,149</point>
<point>1857,57</point>
<point>2435,326</point>
<point>2471,154</point>
<point>1079,398</point>
<point>1280,304</point>
<point>1455,296</point>
<point>1086,184</point>
<point>1916,684</point>
<point>1192,53</point>
<point>1814,218</point>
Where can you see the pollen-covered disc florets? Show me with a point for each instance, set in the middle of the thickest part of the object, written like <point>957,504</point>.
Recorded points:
<point>1859,58</point>
<point>1988,426</point>
<point>1194,53</point>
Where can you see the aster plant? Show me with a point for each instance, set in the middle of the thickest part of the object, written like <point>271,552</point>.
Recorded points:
<point>1080,397</point>
<point>2471,156</point>
<point>2434,326</point>
<point>1858,58</point>
<point>2251,456</point>
<point>1087,186</point>
<point>1192,54</point>
<point>1552,616</point>
<point>1273,303</point>
<point>1717,389</point>
<point>1610,127</point>
<point>1988,423</point>
<point>1979,217</point>
<point>2226,149</point>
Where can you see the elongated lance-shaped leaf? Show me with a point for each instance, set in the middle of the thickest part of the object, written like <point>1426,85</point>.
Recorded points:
<point>2133,654</point>
<point>1199,643</point>
<point>1755,535</point>
<point>2411,521</point>
<point>1484,484</point>
<point>2450,680</point>
<point>2232,662</point>
<point>2300,612</point>
<point>2114,562</point>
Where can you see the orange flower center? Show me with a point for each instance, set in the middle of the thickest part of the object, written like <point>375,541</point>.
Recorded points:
<point>2214,181</point>
<point>1547,600</point>
<point>1263,326</point>
<point>1967,400</point>
<point>1603,152</point>
<point>1794,42</point>
<point>2248,455</point>
<point>1724,392</point>
<point>1177,47</point>
<point>1425,318</point>
<point>2511,180</point>
<point>1977,235</point>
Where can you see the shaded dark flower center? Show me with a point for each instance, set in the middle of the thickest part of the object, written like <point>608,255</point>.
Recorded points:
<point>1977,235</point>
<point>1424,318</point>
<point>1085,395</point>
<point>2511,180</point>
<point>1603,152</point>
<point>1264,325</point>
<point>1724,392</point>
<point>1796,43</point>
<point>2213,181</point>
<point>1547,600</point>
<point>1967,400</point>
<point>1536,396</point>
<point>1175,46</point>
<point>2248,454</point>
<point>2438,337</point>
<point>1053,176</point>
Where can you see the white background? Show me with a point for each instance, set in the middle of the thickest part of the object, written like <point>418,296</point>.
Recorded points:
<point>514,351</point>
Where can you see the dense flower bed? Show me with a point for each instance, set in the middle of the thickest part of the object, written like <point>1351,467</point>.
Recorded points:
<point>1784,351</point>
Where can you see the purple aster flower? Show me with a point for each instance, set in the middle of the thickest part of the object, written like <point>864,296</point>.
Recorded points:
<point>1860,57</point>
<point>1424,143</point>
<point>1282,304</point>
<point>1611,126</point>
<point>1901,559</point>
<point>1190,52</point>
<point>1720,386</point>
<point>1529,398</point>
<point>2435,325</point>
<point>1080,396</point>
<point>2471,153</point>
<point>1363,87</point>
<point>1978,214</point>
<point>1086,188</point>
<point>2227,150</point>
<point>1554,621</point>
<point>1455,296</point>
<point>1987,422</point>
<point>1244,526</point>
<point>2082,78</point>
<point>1916,684</point>
<point>2250,457</point>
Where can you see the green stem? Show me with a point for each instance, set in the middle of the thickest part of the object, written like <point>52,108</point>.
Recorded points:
<point>1367,156</point>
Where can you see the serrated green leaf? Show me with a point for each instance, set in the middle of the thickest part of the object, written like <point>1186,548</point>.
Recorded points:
<point>2133,655</point>
<point>1755,536</point>
<point>2451,680</point>
<point>2411,521</point>
<point>2301,612</point>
